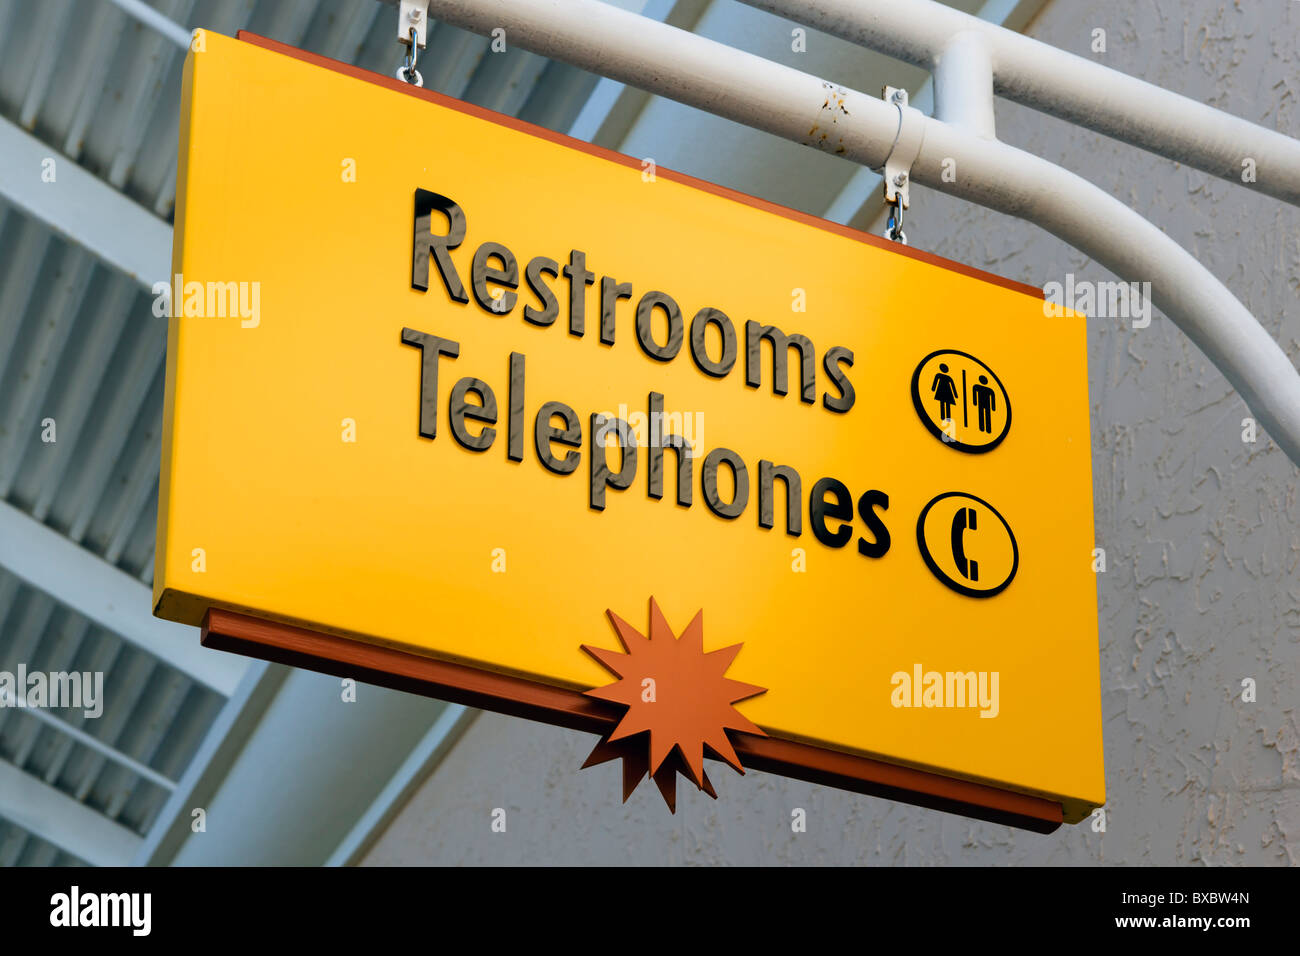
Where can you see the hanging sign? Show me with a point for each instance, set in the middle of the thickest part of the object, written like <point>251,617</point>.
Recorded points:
<point>451,397</point>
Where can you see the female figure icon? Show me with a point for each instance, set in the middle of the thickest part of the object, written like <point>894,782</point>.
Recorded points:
<point>945,393</point>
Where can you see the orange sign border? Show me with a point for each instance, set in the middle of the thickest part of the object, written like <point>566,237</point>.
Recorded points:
<point>518,697</point>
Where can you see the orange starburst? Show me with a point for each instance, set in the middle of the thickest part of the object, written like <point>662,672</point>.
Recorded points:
<point>679,696</point>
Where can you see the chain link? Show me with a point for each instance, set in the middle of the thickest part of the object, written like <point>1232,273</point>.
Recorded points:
<point>894,224</point>
<point>407,71</point>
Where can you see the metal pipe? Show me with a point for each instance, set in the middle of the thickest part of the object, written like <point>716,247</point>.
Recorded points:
<point>1062,84</point>
<point>688,68</point>
<point>1012,181</point>
<point>151,18</point>
<point>748,89</point>
<point>963,85</point>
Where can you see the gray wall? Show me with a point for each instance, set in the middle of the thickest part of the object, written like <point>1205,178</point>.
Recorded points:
<point>1201,530</point>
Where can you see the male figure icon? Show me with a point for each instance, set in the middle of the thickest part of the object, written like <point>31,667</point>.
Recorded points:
<point>985,400</point>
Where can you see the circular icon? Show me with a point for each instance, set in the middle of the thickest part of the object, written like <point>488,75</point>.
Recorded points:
<point>967,544</point>
<point>961,401</point>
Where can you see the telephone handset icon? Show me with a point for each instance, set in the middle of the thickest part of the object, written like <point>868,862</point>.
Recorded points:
<point>963,521</point>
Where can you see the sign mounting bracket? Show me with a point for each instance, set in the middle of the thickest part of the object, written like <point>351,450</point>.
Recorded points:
<point>412,15</point>
<point>906,147</point>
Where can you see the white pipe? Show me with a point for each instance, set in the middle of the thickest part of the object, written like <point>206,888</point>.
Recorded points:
<point>689,68</point>
<point>154,20</point>
<point>748,89</point>
<point>1096,223</point>
<point>963,85</point>
<point>1062,84</point>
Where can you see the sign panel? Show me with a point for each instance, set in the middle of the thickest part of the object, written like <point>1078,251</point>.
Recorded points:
<point>442,383</point>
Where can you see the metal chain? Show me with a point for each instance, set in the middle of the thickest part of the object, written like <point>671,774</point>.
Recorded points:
<point>407,70</point>
<point>894,224</point>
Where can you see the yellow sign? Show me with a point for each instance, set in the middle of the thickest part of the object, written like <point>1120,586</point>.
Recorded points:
<point>445,385</point>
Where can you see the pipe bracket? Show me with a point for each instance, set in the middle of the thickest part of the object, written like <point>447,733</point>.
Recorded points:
<point>897,170</point>
<point>412,15</point>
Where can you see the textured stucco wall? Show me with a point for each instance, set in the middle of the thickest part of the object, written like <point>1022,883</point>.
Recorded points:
<point>1201,530</point>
